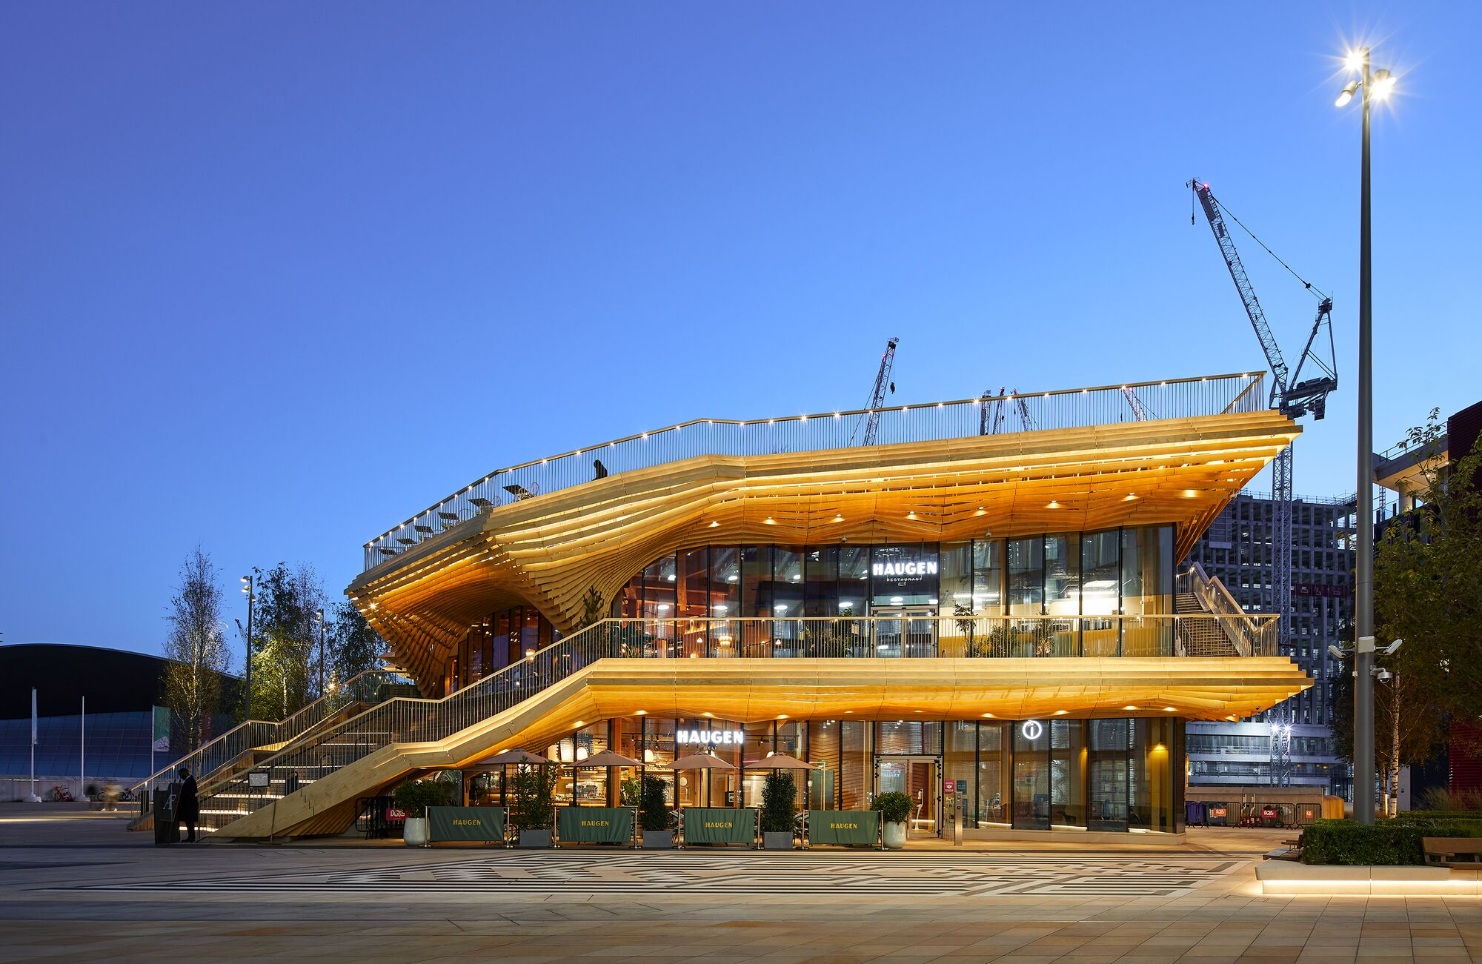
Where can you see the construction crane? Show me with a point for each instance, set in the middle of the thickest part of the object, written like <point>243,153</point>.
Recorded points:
<point>1289,394</point>
<point>991,419</point>
<point>877,394</point>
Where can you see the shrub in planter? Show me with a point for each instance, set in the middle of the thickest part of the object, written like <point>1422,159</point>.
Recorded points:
<point>415,796</point>
<point>778,795</point>
<point>1388,842</point>
<point>533,798</point>
<point>653,811</point>
<point>894,807</point>
<point>654,817</point>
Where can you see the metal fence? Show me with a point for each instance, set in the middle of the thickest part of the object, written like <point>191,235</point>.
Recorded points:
<point>937,637</point>
<point>933,421</point>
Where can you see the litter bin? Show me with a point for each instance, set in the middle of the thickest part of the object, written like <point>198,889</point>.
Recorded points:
<point>1218,814</point>
<point>1195,814</point>
<point>166,827</point>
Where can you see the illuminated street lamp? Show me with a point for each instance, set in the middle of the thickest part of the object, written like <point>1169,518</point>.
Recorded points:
<point>319,618</point>
<point>1373,86</point>
<point>251,598</point>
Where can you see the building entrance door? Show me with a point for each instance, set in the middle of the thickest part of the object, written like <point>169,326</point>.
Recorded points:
<point>920,778</point>
<point>905,630</point>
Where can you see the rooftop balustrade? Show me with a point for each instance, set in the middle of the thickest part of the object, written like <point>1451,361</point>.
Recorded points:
<point>928,422</point>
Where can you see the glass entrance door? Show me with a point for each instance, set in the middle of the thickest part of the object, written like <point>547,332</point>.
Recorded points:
<point>919,778</point>
<point>905,631</point>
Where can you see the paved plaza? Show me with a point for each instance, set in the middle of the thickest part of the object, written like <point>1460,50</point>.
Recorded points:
<point>74,884</point>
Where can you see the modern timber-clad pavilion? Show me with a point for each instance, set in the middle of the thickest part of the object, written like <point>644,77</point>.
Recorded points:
<point>988,596</point>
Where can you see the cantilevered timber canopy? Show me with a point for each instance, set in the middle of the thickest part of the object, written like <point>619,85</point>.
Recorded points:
<point>549,550</point>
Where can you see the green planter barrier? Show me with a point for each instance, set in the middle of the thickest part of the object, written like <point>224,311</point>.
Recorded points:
<point>595,825</point>
<point>718,825</point>
<point>484,824</point>
<point>846,827</point>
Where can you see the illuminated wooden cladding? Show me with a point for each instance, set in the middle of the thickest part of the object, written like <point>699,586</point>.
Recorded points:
<point>759,691</point>
<point>549,550</point>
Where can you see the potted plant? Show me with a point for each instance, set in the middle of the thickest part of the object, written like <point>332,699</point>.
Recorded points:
<point>778,794</point>
<point>654,816</point>
<point>413,798</point>
<point>895,807</point>
<point>534,808</point>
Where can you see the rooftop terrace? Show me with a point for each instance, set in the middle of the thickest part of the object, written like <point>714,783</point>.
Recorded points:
<point>1013,412</point>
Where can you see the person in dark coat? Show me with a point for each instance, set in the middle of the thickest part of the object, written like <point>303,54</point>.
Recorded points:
<point>189,806</point>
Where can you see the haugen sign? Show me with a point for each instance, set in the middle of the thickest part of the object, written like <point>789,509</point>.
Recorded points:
<point>711,737</point>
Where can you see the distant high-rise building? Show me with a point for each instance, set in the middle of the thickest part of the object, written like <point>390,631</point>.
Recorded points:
<point>1292,743</point>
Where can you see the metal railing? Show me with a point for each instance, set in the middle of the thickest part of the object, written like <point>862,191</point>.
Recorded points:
<point>254,734</point>
<point>936,637</point>
<point>1244,633</point>
<point>929,422</point>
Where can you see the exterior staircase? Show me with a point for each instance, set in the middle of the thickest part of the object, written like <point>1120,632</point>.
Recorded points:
<point>247,745</point>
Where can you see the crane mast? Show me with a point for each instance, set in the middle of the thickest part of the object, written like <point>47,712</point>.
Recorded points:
<point>1294,398</point>
<point>877,394</point>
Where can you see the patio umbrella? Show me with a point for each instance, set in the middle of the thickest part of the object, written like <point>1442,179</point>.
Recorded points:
<point>608,758</point>
<point>700,761</point>
<point>778,761</point>
<point>507,757</point>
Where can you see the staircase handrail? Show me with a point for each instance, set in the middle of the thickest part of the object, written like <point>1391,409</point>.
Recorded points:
<point>405,719</point>
<point>255,733</point>
<point>1215,598</point>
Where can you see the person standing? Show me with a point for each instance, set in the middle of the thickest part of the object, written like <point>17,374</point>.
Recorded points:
<point>189,806</point>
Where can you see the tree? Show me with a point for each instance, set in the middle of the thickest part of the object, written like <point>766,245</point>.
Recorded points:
<point>354,647</point>
<point>196,650</point>
<point>286,646</point>
<point>1427,570</point>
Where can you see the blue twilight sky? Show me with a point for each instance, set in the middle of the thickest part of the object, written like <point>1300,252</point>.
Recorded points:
<point>274,276</point>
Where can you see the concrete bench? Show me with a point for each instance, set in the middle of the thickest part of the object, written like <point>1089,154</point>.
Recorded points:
<point>1281,853</point>
<point>1453,851</point>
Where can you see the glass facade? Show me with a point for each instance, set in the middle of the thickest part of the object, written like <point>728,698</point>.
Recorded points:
<point>1052,775</point>
<point>1074,577</point>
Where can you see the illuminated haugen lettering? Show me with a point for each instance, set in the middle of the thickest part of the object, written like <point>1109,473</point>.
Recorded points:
<point>908,568</point>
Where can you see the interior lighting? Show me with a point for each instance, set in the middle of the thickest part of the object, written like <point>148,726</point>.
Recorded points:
<point>838,517</point>
<point>1053,505</point>
<point>911,514</point>
<point>1061,712</point>
<point>714,524</point>
<point>640,712</point>
<point>769,521</point>
<point>1129,707</point>
<point>988,716</point>
<point>1167,709</point>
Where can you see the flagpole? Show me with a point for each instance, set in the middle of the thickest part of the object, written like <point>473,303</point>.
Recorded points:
<point>82,756</point>
<point>34,797</point>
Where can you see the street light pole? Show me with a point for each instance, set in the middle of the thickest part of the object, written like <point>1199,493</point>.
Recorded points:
<point>251,598</point>
<point>1363,701</point>
<point>319,618</point>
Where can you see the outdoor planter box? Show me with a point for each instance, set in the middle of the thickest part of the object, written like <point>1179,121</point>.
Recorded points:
<point>658,840</point>
<point>535,838</point>
<point>1285,877</point>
